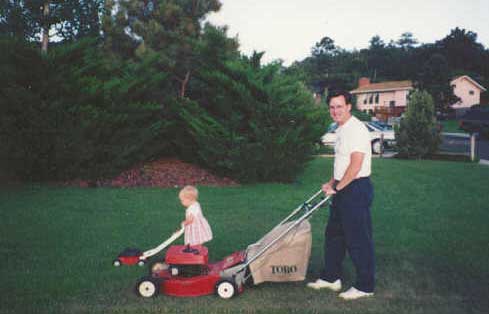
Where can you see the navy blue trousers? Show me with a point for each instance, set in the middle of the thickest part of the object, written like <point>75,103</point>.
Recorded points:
<point>349,229</point>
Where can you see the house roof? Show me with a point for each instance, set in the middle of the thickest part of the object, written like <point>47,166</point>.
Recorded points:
<point>383,87</point>
<point>468,78</point>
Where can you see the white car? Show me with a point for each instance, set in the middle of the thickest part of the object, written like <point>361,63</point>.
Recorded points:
<point>376,131</point>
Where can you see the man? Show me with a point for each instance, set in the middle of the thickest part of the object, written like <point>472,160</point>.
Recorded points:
<point>349,226</point>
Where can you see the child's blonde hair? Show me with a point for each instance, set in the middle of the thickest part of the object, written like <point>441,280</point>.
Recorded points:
<point>189,191</point>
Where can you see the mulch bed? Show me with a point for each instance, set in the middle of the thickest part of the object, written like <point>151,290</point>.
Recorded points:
<point>163,173</point>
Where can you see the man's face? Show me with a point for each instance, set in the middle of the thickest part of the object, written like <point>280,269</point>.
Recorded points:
<point>339,109</point>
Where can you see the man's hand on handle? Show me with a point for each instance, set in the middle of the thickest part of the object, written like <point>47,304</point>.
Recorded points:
<point>328,188</point>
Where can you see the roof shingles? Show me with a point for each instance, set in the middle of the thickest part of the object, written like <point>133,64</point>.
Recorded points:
<point>384,86</point>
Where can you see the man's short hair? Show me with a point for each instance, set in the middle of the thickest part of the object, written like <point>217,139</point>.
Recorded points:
<point>339,92</point>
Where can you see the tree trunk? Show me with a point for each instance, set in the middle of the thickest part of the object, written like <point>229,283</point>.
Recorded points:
<point>45,27</point>
<point>184,84</point>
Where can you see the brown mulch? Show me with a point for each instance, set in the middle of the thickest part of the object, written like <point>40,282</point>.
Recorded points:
<point>167,172</point>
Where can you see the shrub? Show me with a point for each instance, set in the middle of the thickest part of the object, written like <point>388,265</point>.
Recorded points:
<point>417,135</point>
<point>24,126</point>
<point>80,113</point>
<point>259,125</point>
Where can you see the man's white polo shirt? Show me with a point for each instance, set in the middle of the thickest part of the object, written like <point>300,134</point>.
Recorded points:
<point>353,136</point>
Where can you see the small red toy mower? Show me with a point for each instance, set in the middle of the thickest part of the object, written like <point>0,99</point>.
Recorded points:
<point>281,255</point>
<point>132,256</point>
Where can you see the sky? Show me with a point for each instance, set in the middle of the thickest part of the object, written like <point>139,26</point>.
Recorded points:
<point>288,29</point>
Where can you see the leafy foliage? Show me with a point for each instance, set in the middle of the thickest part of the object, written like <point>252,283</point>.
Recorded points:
<point>256,125</point>
<point>431,66</point>
<point>170,29</point>
<point>68,19</point>
<point>94,107</point>
<point>22,109</point>
<point>91,117</point>
<point>417,135</point>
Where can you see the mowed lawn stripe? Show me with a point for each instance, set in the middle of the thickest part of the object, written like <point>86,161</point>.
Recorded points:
<point>430,227</point>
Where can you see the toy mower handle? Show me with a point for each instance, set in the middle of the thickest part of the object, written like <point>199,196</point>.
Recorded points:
<point>163,245</point>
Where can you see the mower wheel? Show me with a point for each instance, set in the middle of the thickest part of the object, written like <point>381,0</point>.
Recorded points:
<point>116,263</point>
<point>141,263</point>
<point>226,288</point>
<point>147,287</point>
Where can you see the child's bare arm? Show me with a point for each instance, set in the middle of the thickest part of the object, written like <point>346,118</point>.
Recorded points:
<point>188,220</point>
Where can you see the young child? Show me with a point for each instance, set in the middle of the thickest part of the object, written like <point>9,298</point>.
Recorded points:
<point>197,229</point>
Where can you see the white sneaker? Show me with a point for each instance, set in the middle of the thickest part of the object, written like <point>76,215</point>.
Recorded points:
<point>320,284</point>
<point>353,294</point>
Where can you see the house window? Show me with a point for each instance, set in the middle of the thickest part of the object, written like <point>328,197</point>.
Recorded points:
<point>365,100</point>
<point>371,99</point>
<point>471,92</point>
<point>392,103</point>
<point>377,98</point>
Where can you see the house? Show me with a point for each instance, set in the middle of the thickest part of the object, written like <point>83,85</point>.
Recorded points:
<point>384,99</point>
<point>468,90</point>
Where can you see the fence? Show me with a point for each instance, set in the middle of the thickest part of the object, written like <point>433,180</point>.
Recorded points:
<point>457,144</point>
<point>472,145</point>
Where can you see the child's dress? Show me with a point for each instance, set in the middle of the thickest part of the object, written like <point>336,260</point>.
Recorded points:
<point>199,231</point>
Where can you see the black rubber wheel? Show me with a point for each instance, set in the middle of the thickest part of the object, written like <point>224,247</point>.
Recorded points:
<point>148,287</point>
<point>226,288</point>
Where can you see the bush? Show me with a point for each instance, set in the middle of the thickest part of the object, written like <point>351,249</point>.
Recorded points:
<point>81,113</point>
<point>417,135</point>
<point>24,126</point>
<point>260,125</point>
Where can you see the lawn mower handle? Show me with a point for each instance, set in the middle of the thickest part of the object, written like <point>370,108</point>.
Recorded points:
<point>300,207</point>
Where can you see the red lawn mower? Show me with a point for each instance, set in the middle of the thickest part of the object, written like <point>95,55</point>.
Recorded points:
<point>187,273</point>
<point>281,255</point>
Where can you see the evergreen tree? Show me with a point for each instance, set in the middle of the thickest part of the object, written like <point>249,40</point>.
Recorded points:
<point>407,41</point>
<point>435,78</point>
<point>37,20</point>
<point>170,29</point>
<point>417,135</point>
<point>256,125</point>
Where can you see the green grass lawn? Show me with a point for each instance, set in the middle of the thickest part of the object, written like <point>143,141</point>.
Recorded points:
<point>451,126</point>
<point>430,227</point>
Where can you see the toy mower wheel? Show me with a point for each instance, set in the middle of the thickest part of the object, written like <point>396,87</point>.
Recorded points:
<point>226,288</point>
<point>141,263</point>
<point>116,263</point>
<point>148,287</point>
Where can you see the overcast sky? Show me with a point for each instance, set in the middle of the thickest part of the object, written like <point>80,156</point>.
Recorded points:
<point>287,29</point>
